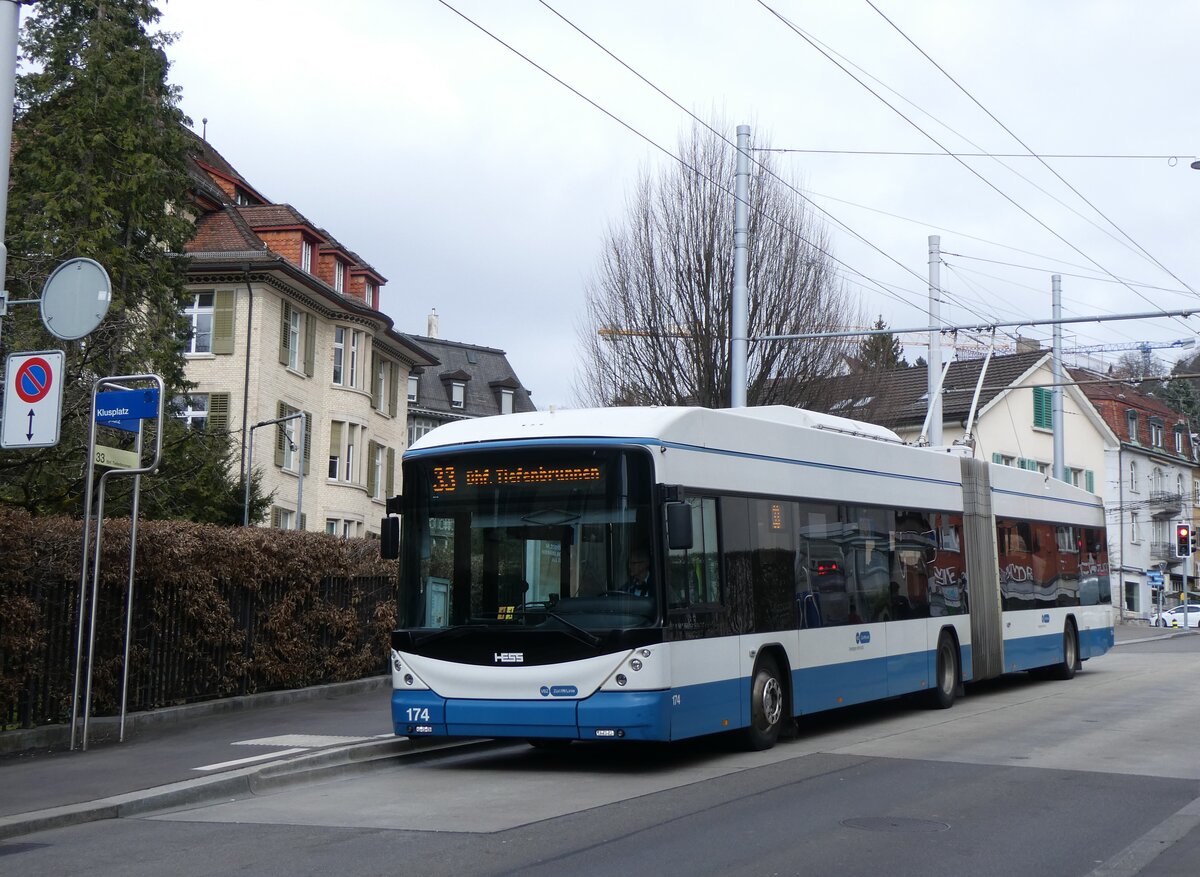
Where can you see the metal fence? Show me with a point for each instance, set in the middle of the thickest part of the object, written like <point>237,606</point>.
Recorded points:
<point>242,640</point>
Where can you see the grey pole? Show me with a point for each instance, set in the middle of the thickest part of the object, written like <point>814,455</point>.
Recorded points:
<point>248,470</point>
<point>10,16</point>
<point>133,534</point>
<point>300,474</point>
<point>83,569</point>
<point>1056,393</point>
<point>935,341</point>
<point>740,305</point>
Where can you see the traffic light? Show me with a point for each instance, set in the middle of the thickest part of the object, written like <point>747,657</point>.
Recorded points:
<point>1183,540</point>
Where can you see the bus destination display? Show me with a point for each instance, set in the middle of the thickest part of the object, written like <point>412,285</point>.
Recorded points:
<point>448,479</point>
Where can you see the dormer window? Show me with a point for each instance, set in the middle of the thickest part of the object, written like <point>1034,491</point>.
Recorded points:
<point>458,394</point>
<point>1132,419</point>
<point>1156,433</point>
<point>506,401</point>
<point>306,256</point>
<point>371,294</point>
<point>413,383</point>
<point>339,275</point>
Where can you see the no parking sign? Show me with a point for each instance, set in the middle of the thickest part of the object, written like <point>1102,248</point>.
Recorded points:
<point>32,399</point>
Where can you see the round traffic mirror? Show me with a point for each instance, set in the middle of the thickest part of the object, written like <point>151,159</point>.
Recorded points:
<point>75,298</point>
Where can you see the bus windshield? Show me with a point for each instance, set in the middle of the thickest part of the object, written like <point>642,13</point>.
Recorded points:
<point>526,538</point>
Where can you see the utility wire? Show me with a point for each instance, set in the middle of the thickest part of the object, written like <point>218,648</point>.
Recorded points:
<point>937,143</point>
<point>804,196</point>
<point>666,151</point>
<point>1172,159</point>
<point>1091,277</point>
<point>830,51</point>
<point>1025,146</point>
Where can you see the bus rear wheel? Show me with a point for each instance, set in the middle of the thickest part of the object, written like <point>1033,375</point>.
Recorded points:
<point>767,700</point>
<point>945,680</point>
<point>1070,661</point>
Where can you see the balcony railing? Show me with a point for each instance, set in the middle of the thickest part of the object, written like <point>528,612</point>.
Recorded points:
<point>1165,504</point>
<point>1163,551</point>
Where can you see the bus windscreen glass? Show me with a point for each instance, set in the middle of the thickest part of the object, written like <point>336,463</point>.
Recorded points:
<point>518,538</point>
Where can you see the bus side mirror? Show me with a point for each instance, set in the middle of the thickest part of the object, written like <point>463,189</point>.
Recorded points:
<point>679,526</point>
<point>389,538</point>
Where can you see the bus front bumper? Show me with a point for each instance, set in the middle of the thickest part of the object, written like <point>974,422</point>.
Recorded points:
<point>606,715</point>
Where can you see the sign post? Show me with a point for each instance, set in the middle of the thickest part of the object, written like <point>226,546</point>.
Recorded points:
<point>125,409</point>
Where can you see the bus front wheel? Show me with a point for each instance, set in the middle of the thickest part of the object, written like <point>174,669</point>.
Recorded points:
<point>767,699</point>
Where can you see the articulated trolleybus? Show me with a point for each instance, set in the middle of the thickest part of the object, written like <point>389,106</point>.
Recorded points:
<point>663,573</point>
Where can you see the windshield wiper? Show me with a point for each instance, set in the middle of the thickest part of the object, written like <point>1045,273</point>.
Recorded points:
<point>583,634</point>
<point>580,633</point>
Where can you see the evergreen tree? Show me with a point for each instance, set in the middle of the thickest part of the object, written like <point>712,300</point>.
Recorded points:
<point>1180,392</point>
<point>880,352</point>
<point>99,170</point>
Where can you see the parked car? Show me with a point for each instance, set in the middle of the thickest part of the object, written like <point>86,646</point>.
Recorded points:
<point>1175,617</point>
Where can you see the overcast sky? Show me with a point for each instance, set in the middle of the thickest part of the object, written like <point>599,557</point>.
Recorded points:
<point>480,186</point>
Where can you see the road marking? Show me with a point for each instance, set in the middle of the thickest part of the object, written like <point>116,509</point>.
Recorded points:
<point>308,741</point>
<point>251,759</point>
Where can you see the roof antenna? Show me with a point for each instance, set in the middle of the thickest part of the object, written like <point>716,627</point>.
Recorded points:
<point>204,130</point>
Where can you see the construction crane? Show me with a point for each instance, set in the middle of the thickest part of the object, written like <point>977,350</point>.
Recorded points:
<point>1133,345</point>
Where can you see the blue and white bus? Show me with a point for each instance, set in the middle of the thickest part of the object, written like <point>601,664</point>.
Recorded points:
<point>798,563</point>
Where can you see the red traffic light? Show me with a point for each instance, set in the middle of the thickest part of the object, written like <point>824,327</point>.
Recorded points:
<point>1183,540</point>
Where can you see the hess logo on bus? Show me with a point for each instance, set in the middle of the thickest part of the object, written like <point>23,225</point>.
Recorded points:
<point>510,657</point>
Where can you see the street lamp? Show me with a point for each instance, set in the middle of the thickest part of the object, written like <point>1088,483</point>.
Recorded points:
<point>299,470</point>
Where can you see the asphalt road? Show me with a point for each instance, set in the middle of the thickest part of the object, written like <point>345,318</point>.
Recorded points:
<point>1090,776</point>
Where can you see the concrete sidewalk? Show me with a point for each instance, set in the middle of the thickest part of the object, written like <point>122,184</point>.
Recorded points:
<point>192,753</point>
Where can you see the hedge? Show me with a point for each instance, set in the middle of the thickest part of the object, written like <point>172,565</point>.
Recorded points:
<point>216,612</point>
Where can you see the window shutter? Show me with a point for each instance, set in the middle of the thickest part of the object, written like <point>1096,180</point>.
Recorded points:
<point>308,424</point>
<point>281,410</point>
<point>372,473</point>
<point>335,439</point>
<point>218,412</point>
<point>222,336</point>
<point>276,517</point>
<point>310,343</point>
<point>376,402</point>
<point>997,457</point>
<point>1043,408</point>
<point>303,521</point>
<point>391,472</point>
<point>393,388</point>
<point>284,325</point>
<point>1089,480</point>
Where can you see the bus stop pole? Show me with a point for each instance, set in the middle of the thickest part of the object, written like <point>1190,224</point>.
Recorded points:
<point>133,534</point>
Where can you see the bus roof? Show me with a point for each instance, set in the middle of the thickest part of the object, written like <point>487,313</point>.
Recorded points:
<point>662,423</point>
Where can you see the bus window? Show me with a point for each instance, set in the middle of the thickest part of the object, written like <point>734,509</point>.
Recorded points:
<point>693,573</point>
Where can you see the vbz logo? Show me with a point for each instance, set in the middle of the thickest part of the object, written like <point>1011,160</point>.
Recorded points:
<point>1046,618</point>
<point>862,637</point>
<point>510,657</point>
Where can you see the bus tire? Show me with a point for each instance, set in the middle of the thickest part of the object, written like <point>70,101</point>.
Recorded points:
<point>767,701</point>
<point>945,680</point>
<point>1070,661</point>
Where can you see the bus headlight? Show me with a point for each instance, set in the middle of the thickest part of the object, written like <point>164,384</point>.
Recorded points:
<point>635,664</point>
<point>621,680</point>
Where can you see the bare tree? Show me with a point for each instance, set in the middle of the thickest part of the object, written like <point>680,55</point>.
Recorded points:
<point>657,321</point>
